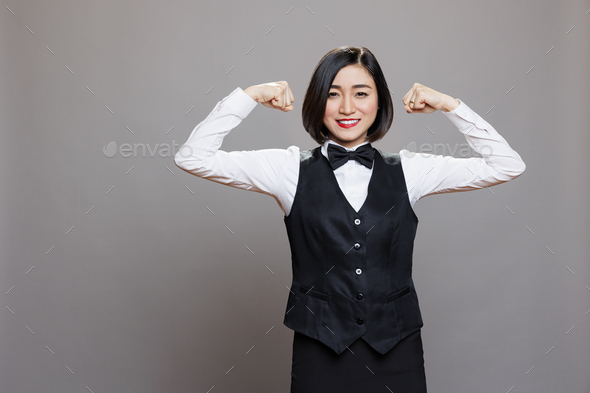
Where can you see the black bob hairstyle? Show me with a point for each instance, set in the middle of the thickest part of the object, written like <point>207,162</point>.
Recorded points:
<point>316,96</point>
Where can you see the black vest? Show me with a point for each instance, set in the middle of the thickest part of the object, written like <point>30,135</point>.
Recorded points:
<point>352,272</point>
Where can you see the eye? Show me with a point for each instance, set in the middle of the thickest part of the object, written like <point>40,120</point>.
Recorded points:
<point>360,92</point>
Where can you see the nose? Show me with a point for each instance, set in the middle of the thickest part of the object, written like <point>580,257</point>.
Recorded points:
<point>347,105</point>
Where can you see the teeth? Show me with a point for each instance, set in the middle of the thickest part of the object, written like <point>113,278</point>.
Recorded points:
<point>348,121</point>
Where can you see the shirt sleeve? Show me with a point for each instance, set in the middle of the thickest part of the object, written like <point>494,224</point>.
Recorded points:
<point>255,170</point>
<point>428,174</point>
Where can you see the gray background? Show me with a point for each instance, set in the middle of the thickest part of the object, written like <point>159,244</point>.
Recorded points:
<point>115,277</point>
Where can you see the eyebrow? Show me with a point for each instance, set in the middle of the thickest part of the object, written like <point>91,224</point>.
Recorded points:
<point>354,87</point>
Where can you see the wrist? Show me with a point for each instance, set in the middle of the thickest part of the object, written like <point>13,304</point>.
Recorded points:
<point>251,91</point>
<point>451,104</point>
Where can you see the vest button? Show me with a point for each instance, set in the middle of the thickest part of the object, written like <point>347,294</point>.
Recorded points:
<point>357,221</point>
<point>357,246</point>
<point>360,321</point>
<point>358,271</point>
<point>359,296</point>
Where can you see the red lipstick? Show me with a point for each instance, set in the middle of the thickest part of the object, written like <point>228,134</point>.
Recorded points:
<point>351,123</point>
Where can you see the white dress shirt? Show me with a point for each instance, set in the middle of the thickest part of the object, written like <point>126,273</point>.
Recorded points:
<point>276,171</point>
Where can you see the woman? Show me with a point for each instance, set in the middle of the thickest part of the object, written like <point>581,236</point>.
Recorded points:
<point>349,215</point>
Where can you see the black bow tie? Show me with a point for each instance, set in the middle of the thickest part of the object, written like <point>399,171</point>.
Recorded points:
<point>339,156</point>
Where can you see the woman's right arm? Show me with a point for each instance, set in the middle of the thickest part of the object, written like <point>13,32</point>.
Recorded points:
<point>258,170</point>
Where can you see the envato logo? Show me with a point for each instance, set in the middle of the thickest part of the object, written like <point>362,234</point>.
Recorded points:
<point>461,150</point>
<point>167,150</point>
<point>163,150</point>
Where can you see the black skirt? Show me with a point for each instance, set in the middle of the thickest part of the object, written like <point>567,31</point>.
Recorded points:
<point>318,369</point>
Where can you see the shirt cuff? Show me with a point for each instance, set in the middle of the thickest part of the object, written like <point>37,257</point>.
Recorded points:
<point>239,103</point>
<point>463,117</point>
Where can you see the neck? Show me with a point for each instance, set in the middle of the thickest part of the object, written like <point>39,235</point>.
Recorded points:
<point>352,146</point>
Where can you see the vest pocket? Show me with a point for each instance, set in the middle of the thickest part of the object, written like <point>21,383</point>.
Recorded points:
<point>314,293</point>
<point>407,310</point>
<point>395,295</point>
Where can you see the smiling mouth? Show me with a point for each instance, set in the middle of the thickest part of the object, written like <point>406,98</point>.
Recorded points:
<point>348,122</point>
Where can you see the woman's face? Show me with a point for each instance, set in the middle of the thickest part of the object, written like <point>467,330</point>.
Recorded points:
<point>352,96</point>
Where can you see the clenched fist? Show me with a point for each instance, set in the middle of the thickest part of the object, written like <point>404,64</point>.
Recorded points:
<point>422,99</point>
<point>276,95</point>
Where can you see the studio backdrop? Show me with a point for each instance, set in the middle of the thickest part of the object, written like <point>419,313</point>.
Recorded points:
<point>119,272</point>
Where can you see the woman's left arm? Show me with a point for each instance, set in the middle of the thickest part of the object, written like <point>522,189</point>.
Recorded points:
<point>428,174</point>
